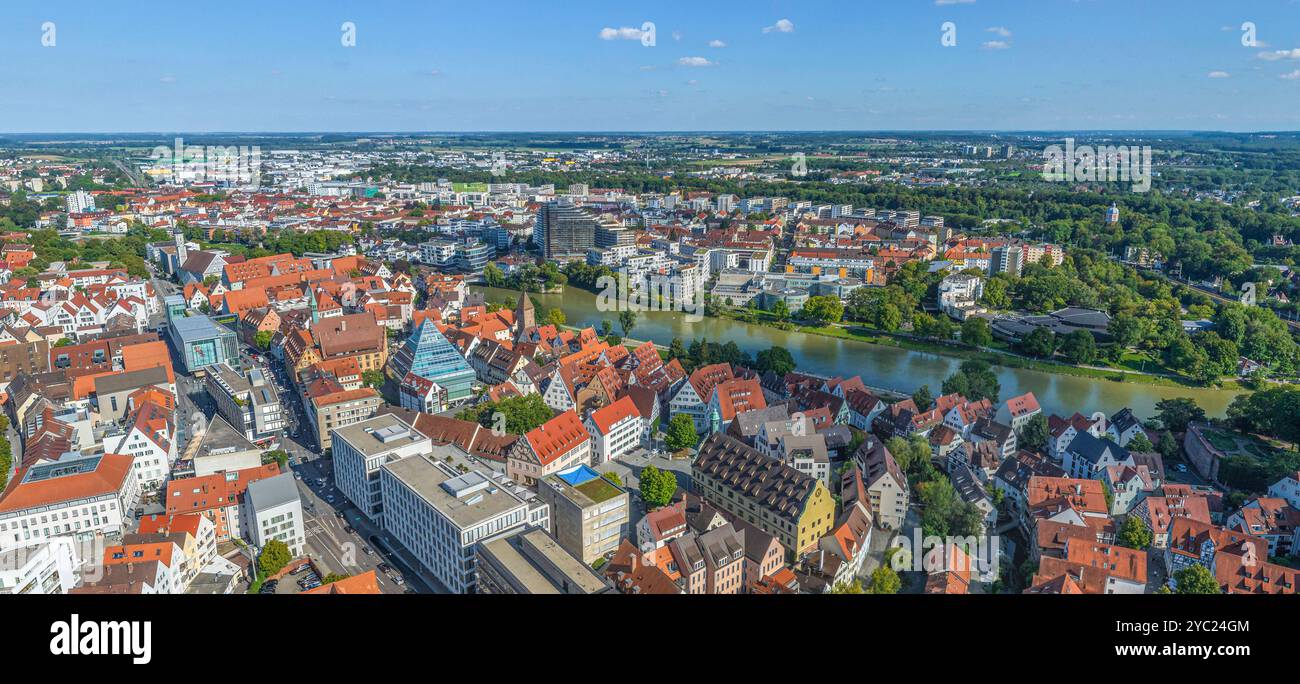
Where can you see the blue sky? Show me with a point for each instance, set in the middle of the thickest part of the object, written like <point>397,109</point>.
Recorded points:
<point>543,65</point>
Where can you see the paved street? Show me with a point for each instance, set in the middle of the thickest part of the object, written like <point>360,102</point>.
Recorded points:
<point>329,543</point>
<point>337,550</point>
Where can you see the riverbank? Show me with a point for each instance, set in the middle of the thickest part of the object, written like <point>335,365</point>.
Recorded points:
<point>882,361</point>
<point>994,357</point>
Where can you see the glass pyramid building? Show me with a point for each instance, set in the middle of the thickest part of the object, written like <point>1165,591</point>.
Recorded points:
<point>428,354</point>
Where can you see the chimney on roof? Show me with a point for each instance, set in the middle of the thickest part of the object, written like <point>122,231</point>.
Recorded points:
<point>343,326</point>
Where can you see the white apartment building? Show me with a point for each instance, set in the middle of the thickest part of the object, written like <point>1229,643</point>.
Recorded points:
<point>81,496</point>
<point>49,567</point>
<point>615,430</point>
<point>273,510</point>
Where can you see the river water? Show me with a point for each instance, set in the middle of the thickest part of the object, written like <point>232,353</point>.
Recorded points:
<point>902,370</point>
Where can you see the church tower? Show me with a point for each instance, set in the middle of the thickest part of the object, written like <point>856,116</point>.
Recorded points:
<point>180,250</point>
<point>525,316</point>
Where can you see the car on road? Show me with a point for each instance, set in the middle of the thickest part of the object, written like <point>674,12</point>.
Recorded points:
<point>338,514</point>
<point>399,580</point>
<point>1181,467</point>
<point>348,529</point>
<point>297,475</point>
<point>383,567</point>
<point>366,550</point>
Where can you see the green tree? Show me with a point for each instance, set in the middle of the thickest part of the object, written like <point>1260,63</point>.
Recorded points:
<point>681,432</point>
<point>996,295</point>
<point>1167,446</point>
<point>493,275</point>
<point>556,317</point>
<point>975,331</point>
<point>1196,579</point>
<point>627,321</point>
<point>823,309</point>
<point>606,328</point>
<point>781,310</point>
<point>1175,414</point>
<point>263,339</point>
<point>775,359</point>
<point>657,486</point>
<point>514,415</point>
<point>1035,433</point>
<point>1272,411</point>
<point>854,587</point>
<point>1125,329</point>
<point>934,327</point>
<point>1134,533</point>
<point>676,350</point>
<point>975,380</point>
<point>1140,444</point>
<point>922,398</point>
<point>885,581</point>
<point>275,555</point>
<point>613,478</point>
<point>1040,342</point>
<point>373,378</point>
<point>333,577</point>
<point>1079,347</point>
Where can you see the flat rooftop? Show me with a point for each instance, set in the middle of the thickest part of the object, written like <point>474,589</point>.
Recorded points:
<point>583,486</point>
<point>198,328</point>
<point>481,498</point>
<point>379,435</point>
<point>538,563</point>
<point>273,491</point>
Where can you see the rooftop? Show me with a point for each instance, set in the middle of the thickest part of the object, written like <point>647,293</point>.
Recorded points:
<point>466,499</point>
<point>272,492</point>
<point>379,435</point>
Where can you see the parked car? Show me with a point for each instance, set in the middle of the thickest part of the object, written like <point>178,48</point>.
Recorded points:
<point>348,529</point>
<point>399,580</point>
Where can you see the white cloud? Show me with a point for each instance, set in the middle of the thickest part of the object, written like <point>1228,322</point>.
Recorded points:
<point>692,82</point>
<point>781,26</point>
<point>1000,30</point>
<point>695,62</point>
<point>1294,75</point>
<point>954,2</point>
<point>1218,74</point>
<point>168,79</point>
<point>1275,55</point>
<point>624,33</point>
<point>997,45</point>
<point>677,36</point>
<point>717,44</point>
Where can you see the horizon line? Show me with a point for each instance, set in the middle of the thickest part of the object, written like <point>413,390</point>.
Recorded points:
<point>983,131</point>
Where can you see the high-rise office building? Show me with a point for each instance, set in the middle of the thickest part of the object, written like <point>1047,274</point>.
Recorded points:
<point>564,232</point>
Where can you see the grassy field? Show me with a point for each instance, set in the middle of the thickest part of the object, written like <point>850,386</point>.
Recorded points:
<point>469,187</point>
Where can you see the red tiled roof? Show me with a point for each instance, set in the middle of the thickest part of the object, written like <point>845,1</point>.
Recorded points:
<point>557,436</point>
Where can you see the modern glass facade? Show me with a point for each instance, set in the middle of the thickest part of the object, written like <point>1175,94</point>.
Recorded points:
<point>429,355</point>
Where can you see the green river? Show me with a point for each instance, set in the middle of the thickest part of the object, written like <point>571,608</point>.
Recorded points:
<point>885,367</point>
